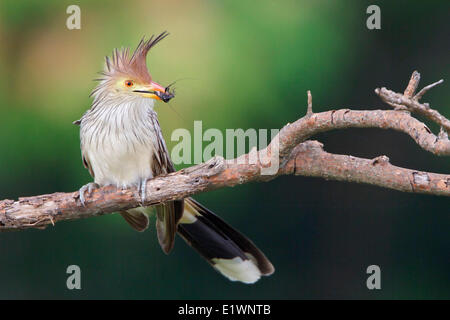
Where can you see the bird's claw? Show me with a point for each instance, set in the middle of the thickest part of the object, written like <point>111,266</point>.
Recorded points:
<point>89,188</point>
<point>142,190</point>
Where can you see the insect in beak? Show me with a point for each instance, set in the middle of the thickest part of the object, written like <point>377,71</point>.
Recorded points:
<point>156,91</point>
<point>166,95</point>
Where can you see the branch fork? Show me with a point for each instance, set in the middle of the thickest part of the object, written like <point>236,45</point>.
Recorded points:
<point>410,101</point>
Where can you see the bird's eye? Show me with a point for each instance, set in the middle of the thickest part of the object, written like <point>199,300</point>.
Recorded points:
<point>129,83</point>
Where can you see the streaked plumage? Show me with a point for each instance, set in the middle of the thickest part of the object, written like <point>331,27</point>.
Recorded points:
<point>122,144</point>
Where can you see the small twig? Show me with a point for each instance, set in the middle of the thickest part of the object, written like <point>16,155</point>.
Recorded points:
<point>425,89</point>
<point>412,85</point>
<point>309,111</point>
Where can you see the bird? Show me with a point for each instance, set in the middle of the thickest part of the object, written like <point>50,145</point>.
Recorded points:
<point>122,145</point>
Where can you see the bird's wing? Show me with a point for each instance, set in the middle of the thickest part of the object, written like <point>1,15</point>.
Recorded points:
<point>87,164</point>
<point>168,214</point>
<point>84,157</point>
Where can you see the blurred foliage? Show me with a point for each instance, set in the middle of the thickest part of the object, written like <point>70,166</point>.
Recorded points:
<point>241,64</point>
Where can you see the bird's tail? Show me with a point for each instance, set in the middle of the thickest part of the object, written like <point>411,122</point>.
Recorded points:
<point>226,249</point>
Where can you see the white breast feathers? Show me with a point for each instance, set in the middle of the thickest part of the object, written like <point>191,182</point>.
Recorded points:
<point>118,140</point>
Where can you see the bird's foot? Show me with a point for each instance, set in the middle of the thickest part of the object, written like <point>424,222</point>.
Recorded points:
<point>142,190</point>
<point>89,188</point>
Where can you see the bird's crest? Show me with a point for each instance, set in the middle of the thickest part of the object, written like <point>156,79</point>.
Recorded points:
<point>121,63</point>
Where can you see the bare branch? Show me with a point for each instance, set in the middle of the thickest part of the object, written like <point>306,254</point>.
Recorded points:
<point>306,127</point>
<point>312,160</point>
<point>296,156</point>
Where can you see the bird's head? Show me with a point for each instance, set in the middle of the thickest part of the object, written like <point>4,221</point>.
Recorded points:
<point>126,76</point>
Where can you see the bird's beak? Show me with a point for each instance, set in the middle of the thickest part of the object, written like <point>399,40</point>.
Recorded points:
<point>155,91</point>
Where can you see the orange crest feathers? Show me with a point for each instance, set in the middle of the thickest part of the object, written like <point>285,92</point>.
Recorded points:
<point>135,66</point>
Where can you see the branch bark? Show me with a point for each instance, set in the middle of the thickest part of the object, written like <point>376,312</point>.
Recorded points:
<point>295,155</point>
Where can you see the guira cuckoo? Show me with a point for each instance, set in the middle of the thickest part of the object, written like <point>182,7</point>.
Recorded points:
<point>122,145</point>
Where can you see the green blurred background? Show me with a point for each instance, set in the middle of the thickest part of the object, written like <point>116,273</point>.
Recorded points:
<point>248,64</point>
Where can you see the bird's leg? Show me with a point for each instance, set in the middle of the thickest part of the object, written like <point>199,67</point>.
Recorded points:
<point>143,189</point>
<point>87,187</point>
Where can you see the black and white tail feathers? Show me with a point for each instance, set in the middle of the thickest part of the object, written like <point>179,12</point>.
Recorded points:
<point>226,249</point>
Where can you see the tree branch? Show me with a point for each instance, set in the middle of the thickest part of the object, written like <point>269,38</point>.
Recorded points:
<point>295,155</point>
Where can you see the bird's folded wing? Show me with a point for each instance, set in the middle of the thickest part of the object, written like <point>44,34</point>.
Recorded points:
<point>167,214</point>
